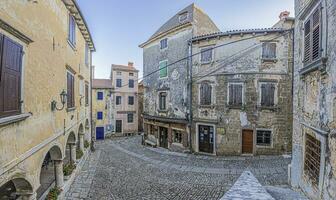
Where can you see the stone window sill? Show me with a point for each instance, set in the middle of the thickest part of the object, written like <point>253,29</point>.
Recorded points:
<point>269,60</point>
<point>238,107</point>
<point>318,64</point>
<point>272,108</point>
<point>162,111</point>
<point>12,119</point>
<point>206,106</point>
<point>70,109</point>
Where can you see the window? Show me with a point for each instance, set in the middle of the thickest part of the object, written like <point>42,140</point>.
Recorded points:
<point>267,94</point>
<point>130,117</point>
<point>131,74</point>
<point>183,17</point>
<point>206,55</point>
<point>205,94</point>
<point>131,83</point>
<point>162,100</point>
<point>118,73</point>
<point>269,50</point>
<point>100,95</point>
<point>177,136</point>
<point>10,77</point>
<point>164,43</point>
<point>100,115</point>
<point>163,69</point>
<point>72,30</point>
<point>70,90</point>
<point>130,100</point>
<point>264,137</point>
<point>119,82</point>
<point>118,100</point>
<point>312,159</point>
<point>312,37</point>
<point>235,94</point>
<point>86,94</point>
<point>87,62</point>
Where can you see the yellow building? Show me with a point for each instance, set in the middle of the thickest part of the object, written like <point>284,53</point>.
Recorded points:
<point>44,94</point>
<point>102,107</point>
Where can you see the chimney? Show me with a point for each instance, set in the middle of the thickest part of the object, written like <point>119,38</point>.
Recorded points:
<point>283,15</point>
<point>130,64</point>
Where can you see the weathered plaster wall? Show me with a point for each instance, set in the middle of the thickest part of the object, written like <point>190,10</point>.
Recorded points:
<point>106,106</point>
<point>44,77</point>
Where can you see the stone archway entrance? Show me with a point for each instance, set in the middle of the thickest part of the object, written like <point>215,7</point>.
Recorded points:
<point>17,188</point>
<point>70,151</point>
<point>51,171</point>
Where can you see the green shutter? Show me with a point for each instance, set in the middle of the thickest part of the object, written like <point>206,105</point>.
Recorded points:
<point>163,69</point>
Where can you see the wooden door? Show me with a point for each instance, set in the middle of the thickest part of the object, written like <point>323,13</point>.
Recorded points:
<point>118,126</point>
<point>100,133</point>
<point>206,139</point>
<point>247,142</point>
<point>163,137</point>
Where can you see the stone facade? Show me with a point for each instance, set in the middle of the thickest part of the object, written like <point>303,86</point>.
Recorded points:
<point>103,105</point>
<point>126,112</point>
<point>38,134</point>
<point>167,125</point>
<point>140,106</point>
<point>314,99</point>
<point>236,59</point>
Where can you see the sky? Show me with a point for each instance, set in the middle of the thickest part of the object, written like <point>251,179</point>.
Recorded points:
<point>119,26</point>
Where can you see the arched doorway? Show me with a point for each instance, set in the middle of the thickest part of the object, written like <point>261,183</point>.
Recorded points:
<point>15,189</point>
<point>51,171</point>
<point>70,151</point>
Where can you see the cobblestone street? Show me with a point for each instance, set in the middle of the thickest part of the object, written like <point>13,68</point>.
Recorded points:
<point>123,169</point>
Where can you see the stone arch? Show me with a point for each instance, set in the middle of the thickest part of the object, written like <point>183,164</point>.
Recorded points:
<point>51,170</point>
<point>70,148</point>
<point>16,188</point>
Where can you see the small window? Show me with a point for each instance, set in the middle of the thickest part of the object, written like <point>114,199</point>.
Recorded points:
<point>183,17</point>
<point>267,94</point>
<point>118,73</point>
<point>269,50</point>
<point>86,94</point>
<point>205,93</point>
<point>100,95</point>
<point>235,94</point>
<point>87,53</point>
<point>163,69</point>
<point>131,74</point>
<point>162,100</point>
<point>118,100</point>
<point>312,37</point>
<point>206,55</point>
<point>100,115</point>
<point>264,137</point>
<point>70,90</point>
<point>130,100</point>
<point>164,43</point>
<point>312,159</point>
<point>72,30</point>
<point>130,118</point>
<point>131,83</point>
<point>119,82</point>
<point>177,136</point>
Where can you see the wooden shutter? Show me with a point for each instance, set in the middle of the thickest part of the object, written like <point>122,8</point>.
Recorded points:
<point>307,47</point>
<point>10,85</point>
<point>239,98</point>
<point>86,94</point>
<point>231,95</point>
<point>316,19</point>
<point>263,95</point>
<point>70,90</point>
<point>205,94</point>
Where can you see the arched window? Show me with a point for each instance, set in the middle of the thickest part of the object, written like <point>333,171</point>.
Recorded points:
<point>205,94</point>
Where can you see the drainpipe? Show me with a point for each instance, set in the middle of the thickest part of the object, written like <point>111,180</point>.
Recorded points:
<point>190,93</point>
<point>91,119</point>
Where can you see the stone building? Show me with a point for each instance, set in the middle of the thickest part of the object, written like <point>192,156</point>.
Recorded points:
<point>242,90</point>
<point>125,80</point>
<point>102,107</point>
<point>313,167</point>
<point>165,96</point>
<point>44,93</point>
<point>140,105</point>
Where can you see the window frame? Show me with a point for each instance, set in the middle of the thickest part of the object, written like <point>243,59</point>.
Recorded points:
<point>159,101</point>
<point>163,77</point>
<point>174,131</point>
<point>117,85</point>
<point>129,83</point>
<point>87,55</point>
<point>86,94</point>
<point>315,183</point>
<point>164,41</point>
<point>205,50</point>
<point>98,96</point>
<point>264,145</point>
<point>72,104</point>
<point>186,14</point>
<point>264,49</point>
<point>133,100</point>
<point>242,94</point>
<point>200,93</point>
<point>130,74</point>
<point>102,115</point>
<point>275,100</point>
<point>119,73</point>
<point>128,118</point>
<point>71,33</point>
<point>118,97</point>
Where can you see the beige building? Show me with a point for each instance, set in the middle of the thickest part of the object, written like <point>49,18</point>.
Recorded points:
<point>102,107</point>
<point>125,80</point>
<point>44,94</point>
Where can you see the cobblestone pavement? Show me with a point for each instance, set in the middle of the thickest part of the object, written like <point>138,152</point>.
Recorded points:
<point>122,168</point>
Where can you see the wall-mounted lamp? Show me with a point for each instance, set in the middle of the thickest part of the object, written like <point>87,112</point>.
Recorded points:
<point>63,97</point>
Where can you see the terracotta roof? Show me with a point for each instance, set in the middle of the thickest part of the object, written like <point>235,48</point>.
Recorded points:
<point>102,84</point>
<point>124,67</point>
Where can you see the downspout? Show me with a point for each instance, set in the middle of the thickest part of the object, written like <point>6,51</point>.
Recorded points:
<point>91,119</point>
<point>190,94</point>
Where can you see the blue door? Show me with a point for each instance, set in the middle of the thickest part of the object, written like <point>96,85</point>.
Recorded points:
<point>99,133</point>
